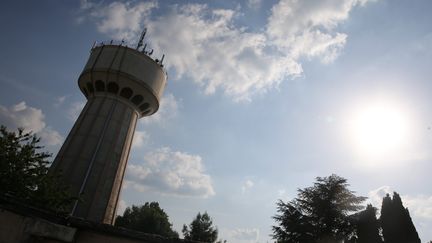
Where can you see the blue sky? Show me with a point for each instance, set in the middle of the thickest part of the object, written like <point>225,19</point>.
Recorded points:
<point>262,97</point>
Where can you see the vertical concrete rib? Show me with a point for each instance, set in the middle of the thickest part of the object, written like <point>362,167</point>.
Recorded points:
<point>117,184</point>
<point>90,166</point>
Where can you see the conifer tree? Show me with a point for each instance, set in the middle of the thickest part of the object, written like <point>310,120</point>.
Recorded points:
<point>147,218</point>
<point>320,213</point>
<point>396,222</point>
<point>201,229</point>
<point>368,226</point>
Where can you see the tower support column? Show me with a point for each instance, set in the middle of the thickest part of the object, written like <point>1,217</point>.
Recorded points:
<point>94,156</point>
<point>121,85</point>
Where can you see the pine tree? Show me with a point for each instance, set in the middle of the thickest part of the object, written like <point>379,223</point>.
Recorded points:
<point>368,226</point>
<point>396,222</point>
<point>320,213</point>
<point>147,218</point>
<point>201,229</point>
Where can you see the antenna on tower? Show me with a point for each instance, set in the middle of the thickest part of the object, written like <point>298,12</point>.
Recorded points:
<point>143,50</point>
<point>163,56</point>
<point>140,42</point>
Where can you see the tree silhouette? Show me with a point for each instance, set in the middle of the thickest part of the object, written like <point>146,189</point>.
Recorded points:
<point>319,213</point>
<point>368,226</point>
<point>396,221</point>
<point>24,172</point>
<point>147,218</point>
<point>201,229</point>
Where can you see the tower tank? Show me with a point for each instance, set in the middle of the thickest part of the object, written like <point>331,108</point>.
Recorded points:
<point>121,85</point>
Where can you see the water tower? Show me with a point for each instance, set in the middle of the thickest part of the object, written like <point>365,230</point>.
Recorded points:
<point>121,84</point>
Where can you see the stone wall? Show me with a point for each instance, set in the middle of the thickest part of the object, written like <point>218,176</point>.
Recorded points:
<point>20,223</point>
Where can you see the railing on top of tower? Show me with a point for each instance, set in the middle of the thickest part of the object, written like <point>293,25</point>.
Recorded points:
<point>139,45</point>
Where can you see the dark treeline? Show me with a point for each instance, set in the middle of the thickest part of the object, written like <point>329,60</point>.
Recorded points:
<point>328,212</point>
<point>150,218</point>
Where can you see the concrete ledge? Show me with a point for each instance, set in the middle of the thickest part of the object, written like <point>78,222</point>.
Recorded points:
<point>46,229</point>
<point>29,221</point>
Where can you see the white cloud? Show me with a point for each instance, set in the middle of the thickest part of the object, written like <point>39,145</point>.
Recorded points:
<point>85,4</point>
<point>121,207</point>
<point>50,136</point>
<point>215,54</point>
<point>420,206</point>
<point>140,138</point>
<point>59,101</point>
<point>281,192</point>
<point>248,235</point>
<point>121,19</point>
<point>168,109</point>
<point>254,4</point>
<point>30,119</point>
<point>375,196</point>
<point>247,185</point>
<point>171,172</point>
<point>74,110</point>
<point>307,28</point>
<point>212,51</point>
<point>23,116</point>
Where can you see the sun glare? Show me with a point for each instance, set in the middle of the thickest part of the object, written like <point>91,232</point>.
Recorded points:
<point>379,129</point>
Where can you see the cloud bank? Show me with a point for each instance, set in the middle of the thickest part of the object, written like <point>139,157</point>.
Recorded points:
<point>169,107</point>
<point>420,206</point>
<point>140,139</point>
<point>247,185</point>
<point>245,235</point>
<point>30,119</point>
<point>206,45</point>
<point>170,172</point>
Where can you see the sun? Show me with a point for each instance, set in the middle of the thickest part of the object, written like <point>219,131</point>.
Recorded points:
<point>380,129</point>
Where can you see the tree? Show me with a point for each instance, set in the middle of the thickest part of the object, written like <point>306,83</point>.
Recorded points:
<point>201,229</point>
<point>147,218</point>
<point>396,221</point>
<point>367,226</point>
<point>24,172</point>
<point>319,213</point>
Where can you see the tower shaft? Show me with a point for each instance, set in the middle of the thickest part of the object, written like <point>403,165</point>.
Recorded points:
<point>94,156</point>
<point>121,85</point>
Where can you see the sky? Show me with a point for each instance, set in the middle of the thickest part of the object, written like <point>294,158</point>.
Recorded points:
<point>262,98</point>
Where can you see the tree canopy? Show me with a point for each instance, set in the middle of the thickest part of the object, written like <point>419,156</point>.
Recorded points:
<point>147,218</point>
<point>24,172</point>
<point>320,213</point>
<point>327,212</point>
<point>396,221</point>
<point>367,226</point>
<point>201,229</point>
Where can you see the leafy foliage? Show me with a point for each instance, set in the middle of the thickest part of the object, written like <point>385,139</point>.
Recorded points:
<point>147,218</point>
<point>319,213</point>
<point>396,221</point>
<point>368,226</point>
<point>201,229</point>
<point>24,172</point>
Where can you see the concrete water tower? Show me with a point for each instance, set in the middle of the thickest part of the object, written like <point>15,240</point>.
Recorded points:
<point>121,85</point>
